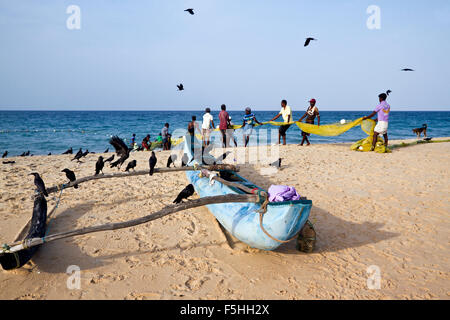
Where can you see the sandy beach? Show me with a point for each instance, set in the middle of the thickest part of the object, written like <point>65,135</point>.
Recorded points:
<point>387,210</point>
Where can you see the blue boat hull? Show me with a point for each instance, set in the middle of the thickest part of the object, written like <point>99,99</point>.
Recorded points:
<point>283,220</point>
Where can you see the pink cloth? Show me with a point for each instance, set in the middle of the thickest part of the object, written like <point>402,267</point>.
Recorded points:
<point>282,193</point>
<point>223,117</point>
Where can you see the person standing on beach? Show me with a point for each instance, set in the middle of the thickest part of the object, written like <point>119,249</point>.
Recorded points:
<point>133,140</point>
<point>382,110</point>
<point>165,137</point>
<point>206,126</point>
<point>248,124</point>
<point>224,122</point>
<point>146,142</point>
<point>311,113</point>
<point>286,113</point>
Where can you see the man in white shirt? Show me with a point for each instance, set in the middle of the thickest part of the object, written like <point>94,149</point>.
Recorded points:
<point>206,126</point>
<point>286,113</point>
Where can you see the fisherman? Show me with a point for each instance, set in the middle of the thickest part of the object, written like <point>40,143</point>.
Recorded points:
<point>224,122</point>
<point>311,113</point>
<point>165,136</point>
<point>286,113</point>
<point>146,142</point>
<point>248,124</point>
<point>133,140</point>
<point>206,126</point>
<point>382,110</point>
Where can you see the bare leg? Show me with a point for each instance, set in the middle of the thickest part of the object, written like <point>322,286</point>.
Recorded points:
<point>375,139</point>
<point>284,140</point>
<point>385,136</point>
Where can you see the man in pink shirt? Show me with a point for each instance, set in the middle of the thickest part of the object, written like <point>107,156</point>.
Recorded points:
<point>224,118</point>
<point>382,110</point>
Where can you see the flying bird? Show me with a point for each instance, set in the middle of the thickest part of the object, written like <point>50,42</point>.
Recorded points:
<point>191,11</point>
<point>121,150</point>
<point>185,193</point>
<point>131,165</point>
<point>407,69</point>
<point>39,183</point>
<point>171,160</point>
<point>100,164</point>
<point>5,154</point>
<point>308,40</point>
<point>276,163</point>
<point>180,87</point>
<point>388,92</point>
<point>152,163</point>
<point>68,151</point>
<point>110,159</point>
<point>71,176</point>
<point>78,155</point>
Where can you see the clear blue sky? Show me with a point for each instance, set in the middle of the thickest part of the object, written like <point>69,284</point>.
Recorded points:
<point>131,54</point>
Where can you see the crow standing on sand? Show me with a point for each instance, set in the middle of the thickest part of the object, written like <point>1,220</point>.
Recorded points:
<point>99,165</point>
<point>185,193</point>
<point>171,160</point>
<point>131,165</point>
<point>191,11</point>
<point>5,154</point>
<point>85,153</point>
<point>308,40</point>
<point>121,150</point>
<point>106,151</point>
<point>276,163</point>
<point>152,163</point>
<point>39,183</point>
<point>78,155</point>
<point>68,151</point>
<point>109,159</point>
<point>180,87</point>
<point>71,176</point>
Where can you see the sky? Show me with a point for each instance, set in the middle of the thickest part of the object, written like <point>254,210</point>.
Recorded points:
<point>130,55</point>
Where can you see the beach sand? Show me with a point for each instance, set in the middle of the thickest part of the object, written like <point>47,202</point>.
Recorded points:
<point>386,210</point>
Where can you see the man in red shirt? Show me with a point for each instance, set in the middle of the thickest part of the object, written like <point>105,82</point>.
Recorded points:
<point>224,118</point>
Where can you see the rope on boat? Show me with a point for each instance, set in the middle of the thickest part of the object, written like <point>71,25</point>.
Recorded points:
<point>261,214</point>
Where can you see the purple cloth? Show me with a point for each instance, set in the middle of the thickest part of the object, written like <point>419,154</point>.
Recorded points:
<point>282,193</point>
<point>383,110</point>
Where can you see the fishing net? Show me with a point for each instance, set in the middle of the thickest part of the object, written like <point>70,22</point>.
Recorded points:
<point>327,130</point>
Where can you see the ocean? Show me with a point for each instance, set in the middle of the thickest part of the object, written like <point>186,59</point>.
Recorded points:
<point>42,132</point>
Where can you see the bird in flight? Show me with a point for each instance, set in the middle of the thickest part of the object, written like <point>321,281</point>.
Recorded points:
<point>407,69</point>
<point>388,92</point>
<point>191,11</point>
<point>121,150</point>
<point>180,87</point>
<point>308,40</point>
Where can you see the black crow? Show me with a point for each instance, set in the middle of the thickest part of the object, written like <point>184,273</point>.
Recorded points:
<point>131,165</point>
<point>68,151</point>
<point>7,162</point>
<point>27,153</point>
<point>185,193</point>
<point>39,183</point>
<point>49,154</point>
<point>5,154</point>
<point>110,159</point>
<point>308,40</point>
<point>171,160</point>
<point>388,92</point>
<point>71,176</point>
<point>180,87</point>
<point>106,151</point>
<point>121,150</point>
<point>85,153</point>
<point>407,69</point>
<point>22,155</point>
<point>191,11</point>
<point>78,155</point>
<point>100,164</point>
<point>152,163</point>
<point>276,163</point>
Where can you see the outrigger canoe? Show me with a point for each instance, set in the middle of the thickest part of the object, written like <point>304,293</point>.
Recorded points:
<point>282,220</point>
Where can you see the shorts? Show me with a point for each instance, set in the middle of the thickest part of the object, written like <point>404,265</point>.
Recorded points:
<point>206,133</point>
<point>283,129</point>
<point>248,130</point>
<point>381,127</point>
